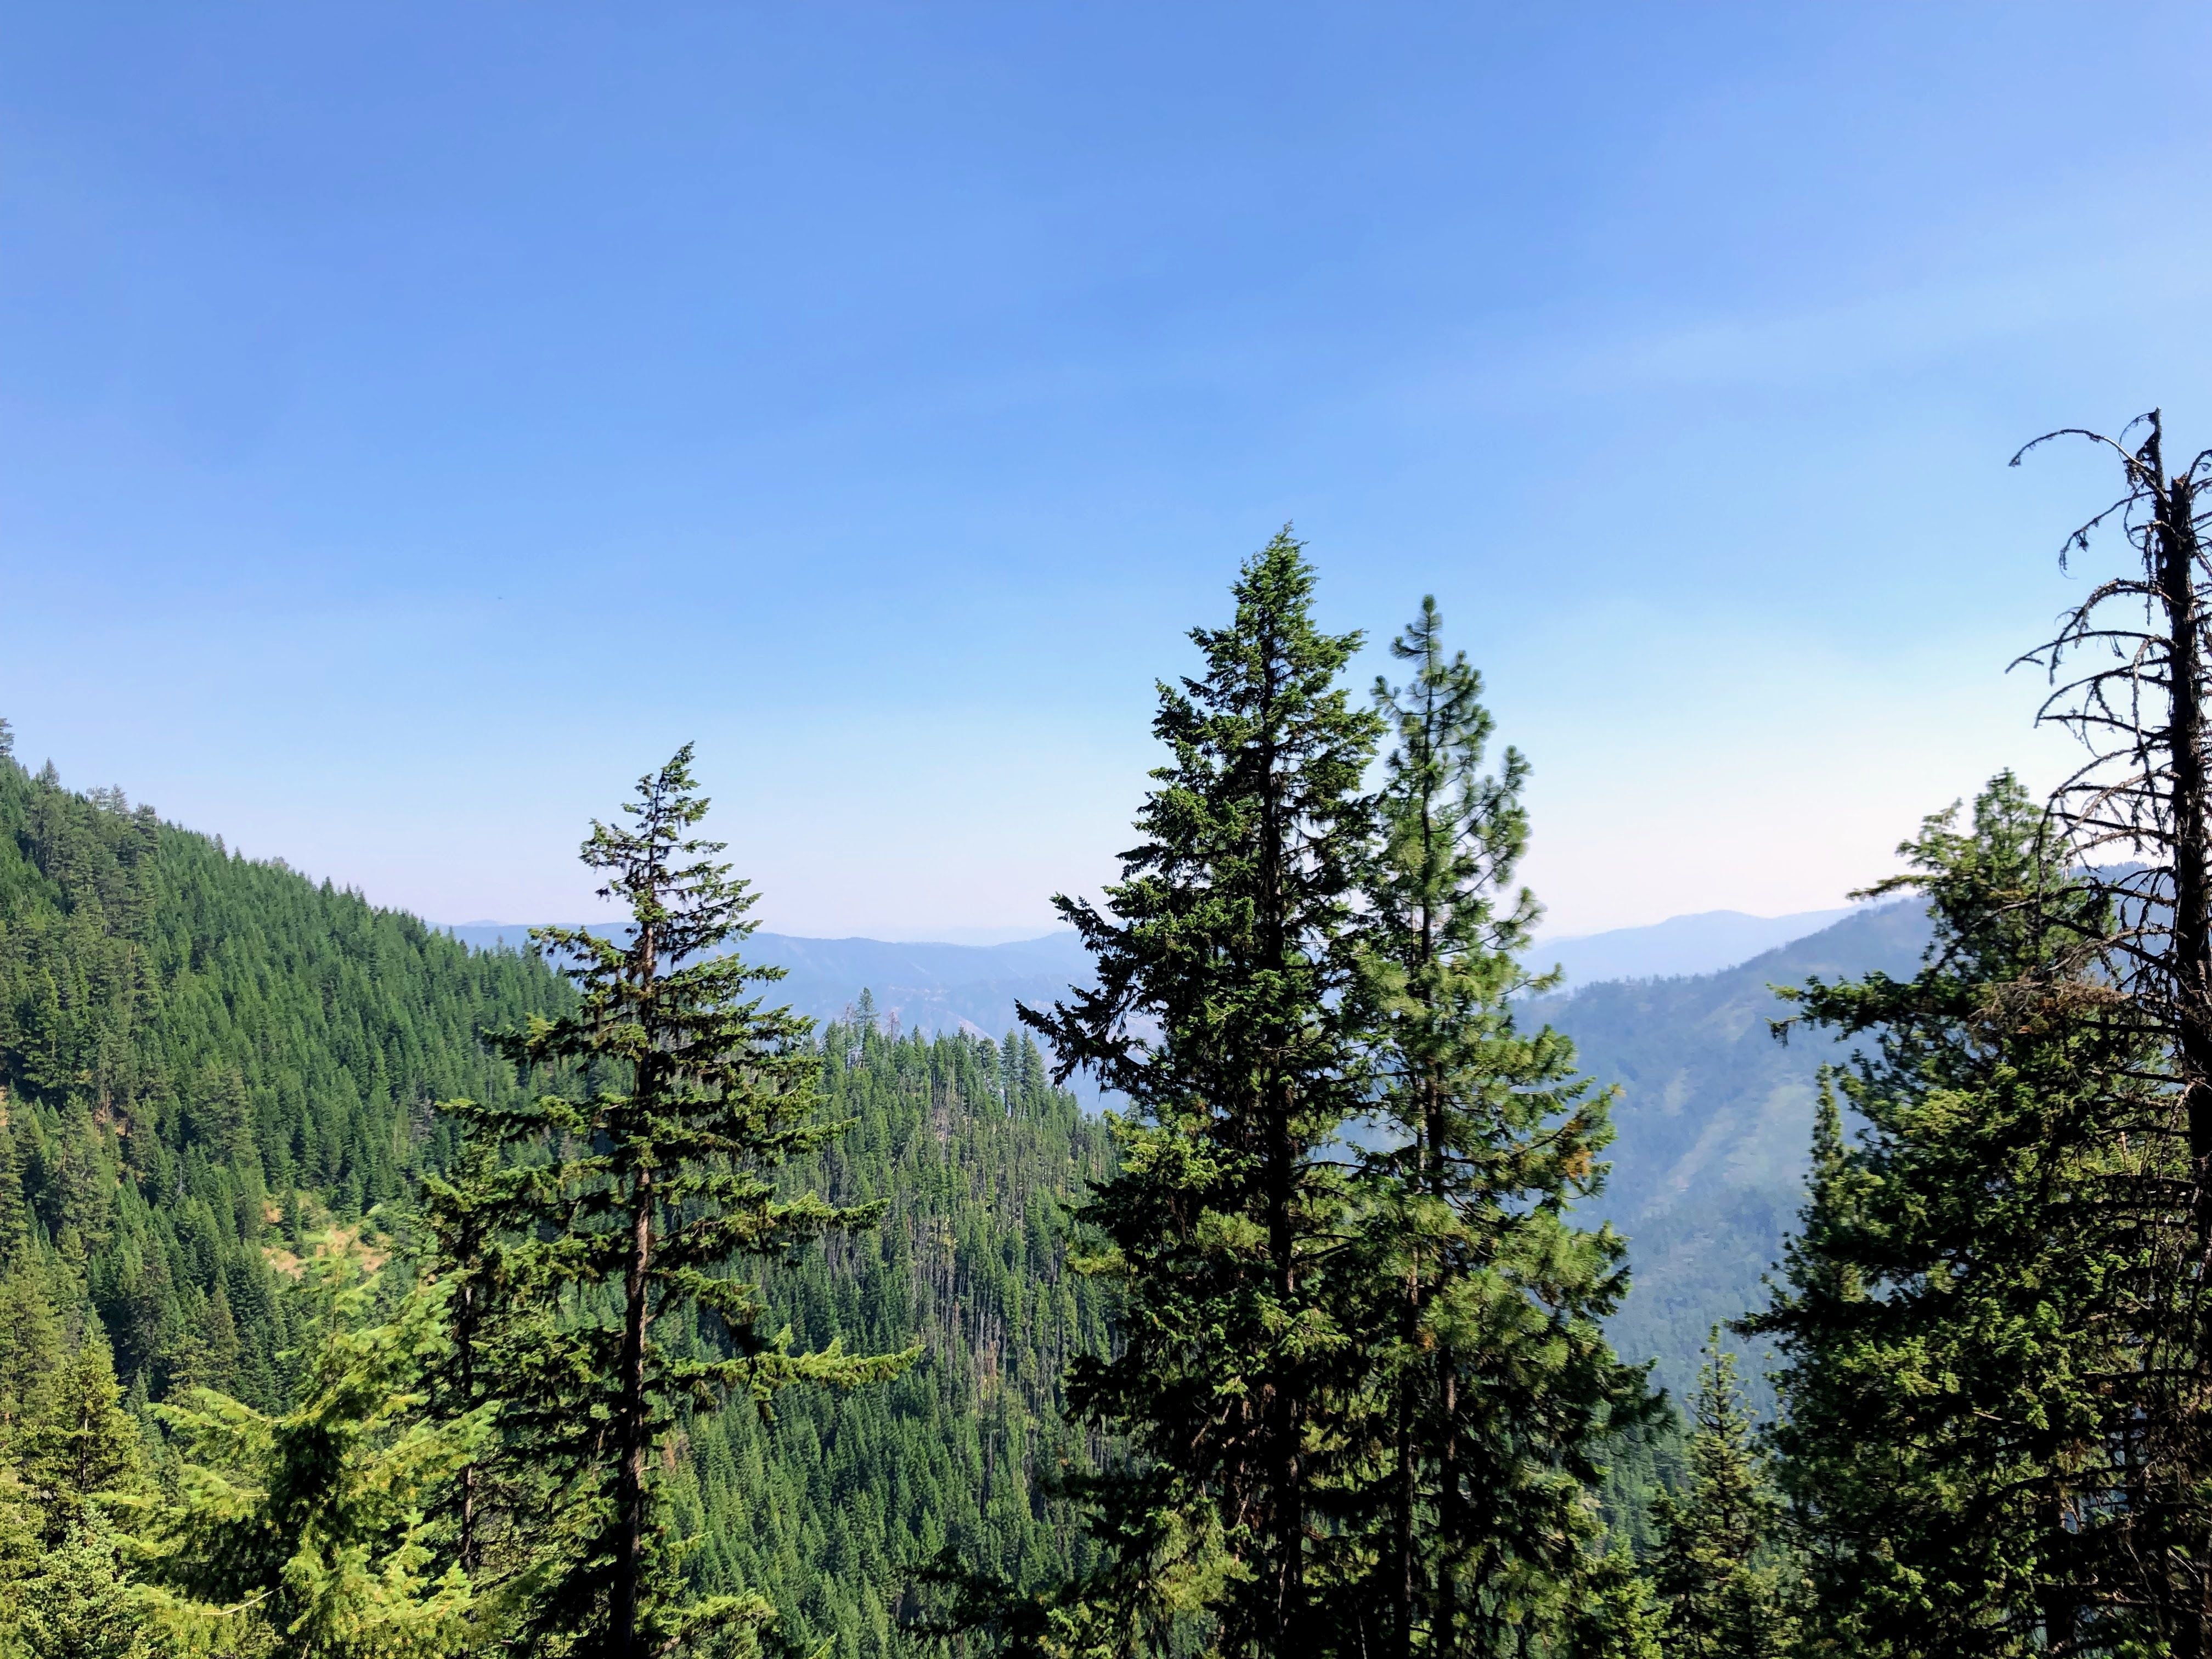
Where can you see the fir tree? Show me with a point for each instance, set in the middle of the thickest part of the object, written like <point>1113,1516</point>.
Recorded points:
<point>311,1528</point>
<point>84,1447</point>
<point>15,1214</point>
<point>1223,957</point>
<point>1496,1388</point>
<point>1731,1590</point>
<point>1618,1616</point>
<point>1975,1278</point>
<point>81,1603</point>
<point>659,1180</point>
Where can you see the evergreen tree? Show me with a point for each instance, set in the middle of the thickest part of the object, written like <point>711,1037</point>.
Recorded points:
<point>1731,1589</point>
<point>80,1603</point>
<point>15,1214</point>
<point>506,1358</point>
<point>1618,1617</point>
<point>657,1179</point>
<point>1496,1388</point>
<point>84,1447</point>
<point>1224,960</point>
<point>1979,1278</point>
<point>310,1530</point>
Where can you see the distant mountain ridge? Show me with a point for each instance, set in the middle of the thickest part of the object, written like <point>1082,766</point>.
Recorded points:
<point>1714,1118</point>
<point>945,986</point>
<point>1705,943</point>
<point>925,986</point>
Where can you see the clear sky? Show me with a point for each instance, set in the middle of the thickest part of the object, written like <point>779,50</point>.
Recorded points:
<point>415,421</point>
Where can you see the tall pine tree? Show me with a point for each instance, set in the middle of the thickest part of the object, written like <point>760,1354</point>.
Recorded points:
<point>1732,1589</point>
<point>656,1181</point>
<point>1225,960</point>
<point>1970,1307</point>
<point>1496,1387</point>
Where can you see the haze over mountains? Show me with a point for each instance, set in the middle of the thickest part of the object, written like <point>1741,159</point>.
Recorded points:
<point>1714,1115</point>
<point>943,987</point>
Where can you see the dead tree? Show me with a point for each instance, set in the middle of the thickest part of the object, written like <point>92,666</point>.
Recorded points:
<point>2128,676</point>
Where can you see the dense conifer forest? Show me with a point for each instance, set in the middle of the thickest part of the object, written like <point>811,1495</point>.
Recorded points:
<point>218,1072</point>
<point>364,1295</point>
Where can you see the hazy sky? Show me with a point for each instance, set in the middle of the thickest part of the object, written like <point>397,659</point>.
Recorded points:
<point>415,421</point>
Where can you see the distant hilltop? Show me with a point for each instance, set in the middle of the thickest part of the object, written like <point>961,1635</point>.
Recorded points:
<point>943,986</point>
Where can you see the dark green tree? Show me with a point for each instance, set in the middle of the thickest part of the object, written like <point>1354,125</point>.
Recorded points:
<point>507,1518</point>
<point>1224,958</point>
<point>1618,1616</point>
<point>1971,1303</point>
<point>1495,1384</point>
<point>653,1177</point>
<point>1731,1589</point>
<point>14,1213</point>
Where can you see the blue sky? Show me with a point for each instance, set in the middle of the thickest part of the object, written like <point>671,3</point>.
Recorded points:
<point>416,421</point>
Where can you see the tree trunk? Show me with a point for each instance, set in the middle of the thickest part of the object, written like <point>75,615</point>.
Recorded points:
<point>2190,959</point>
<point>1444,1636</point>
<point>464,1336</point>
<point>629,1491</point>
<point>1285,1502</point>
<point>631,1413</point>
<point>2176,502</point>
<point>1402,1588</point>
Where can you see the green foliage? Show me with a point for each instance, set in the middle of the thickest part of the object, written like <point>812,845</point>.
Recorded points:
<point>833,1508</point>
<point>68,1455</point>
<point>1223,958</point>
<point>80,1604</point>
<point>1617,1616</point>
<point>1494,1391</point>
<point>194,1046</point>
<point>649,1184</point>
<point>307,1533</point>
<point>1731,1588</point>
<point>1973,1437</point>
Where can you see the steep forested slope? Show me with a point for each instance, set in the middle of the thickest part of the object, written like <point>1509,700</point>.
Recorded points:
<point>830,1508</point>
<point>209,1067</point>
<point>1715,1123</point>
<point>201,1055</point>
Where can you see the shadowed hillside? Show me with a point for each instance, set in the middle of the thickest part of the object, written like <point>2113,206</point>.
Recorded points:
<point>1715,1120</point>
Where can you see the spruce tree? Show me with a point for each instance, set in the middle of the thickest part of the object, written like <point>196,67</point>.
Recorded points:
<point>1979,1273</point>
<point>653,1175</point>
<point>1731,1589</point>
<point>309,1531</point>
<point>1225,957</point>
<point>1496,1388</point>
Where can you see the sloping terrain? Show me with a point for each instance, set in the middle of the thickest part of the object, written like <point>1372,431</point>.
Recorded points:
<point>1715,1119</point>
<point>921,987</point>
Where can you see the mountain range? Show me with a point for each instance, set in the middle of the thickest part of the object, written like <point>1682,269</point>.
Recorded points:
<point>1713,1114</point>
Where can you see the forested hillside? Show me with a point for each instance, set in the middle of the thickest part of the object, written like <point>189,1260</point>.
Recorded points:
<point>1714,1124</point>
<point>207,1059</point>
<point>832,1508</point>
<point>215,1069</point>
